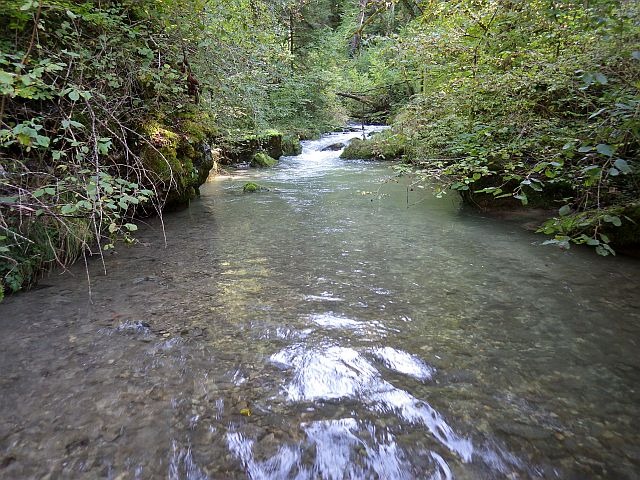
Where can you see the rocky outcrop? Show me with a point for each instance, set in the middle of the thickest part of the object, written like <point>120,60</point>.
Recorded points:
<point>178,159</point>
<point>244,149</point>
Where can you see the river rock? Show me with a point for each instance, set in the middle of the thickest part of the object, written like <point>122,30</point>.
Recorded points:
<point>334,147</point>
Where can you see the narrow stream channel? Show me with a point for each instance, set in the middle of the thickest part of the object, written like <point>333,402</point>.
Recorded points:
<point>326,329</point>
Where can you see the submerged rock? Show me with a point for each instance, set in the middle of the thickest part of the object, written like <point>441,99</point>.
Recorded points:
<point>251,187</point>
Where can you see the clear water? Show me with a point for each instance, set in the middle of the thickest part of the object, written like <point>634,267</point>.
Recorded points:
<point>368,335</point>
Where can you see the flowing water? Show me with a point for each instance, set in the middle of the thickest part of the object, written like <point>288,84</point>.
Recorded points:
<point>336,326</point>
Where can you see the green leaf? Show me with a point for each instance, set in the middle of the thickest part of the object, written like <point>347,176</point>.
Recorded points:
<point>564,210</point>
<point>103,145</point>
<point>24,139</point>
<point>585,149</point>
<point>622,165</point>
<point>604,149</point>
<point>601,78</point>
<point>71,123</point>
<point>523,198</point>
<point>74,95</point>
<point>131,227</point>
<point>613,220</point>
<point>6,78</point>
<point>68,209</point>
<point>604,250</point>
<point>43,141</point>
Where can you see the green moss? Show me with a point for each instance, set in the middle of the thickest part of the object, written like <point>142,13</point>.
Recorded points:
<point>177,157</point>
<point>291,145</point>
<point>251,187</point>
<point>162,161</point>
<point>160,154</point>
<point>197,125</point>
<point>243,148</point>
<point>262,159</point>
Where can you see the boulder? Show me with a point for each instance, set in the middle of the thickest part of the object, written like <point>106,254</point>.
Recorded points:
<point>263,159</point>
<point>334,147</point>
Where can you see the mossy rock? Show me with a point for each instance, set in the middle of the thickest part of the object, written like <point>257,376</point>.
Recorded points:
<point>199,126</point>
<point>262,159</point>
<point>380,146</point>
<point>291,145</point>
<point>243,148</point>
<point>251,187</point>
<point>359,149</point>
<point>178,158</point>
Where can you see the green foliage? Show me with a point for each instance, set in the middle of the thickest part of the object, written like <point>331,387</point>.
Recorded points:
<point>110,109</point>
<point>70,178</point>
<point>521,103</point>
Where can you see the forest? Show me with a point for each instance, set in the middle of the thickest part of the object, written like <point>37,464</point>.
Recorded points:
<point>115,110</point>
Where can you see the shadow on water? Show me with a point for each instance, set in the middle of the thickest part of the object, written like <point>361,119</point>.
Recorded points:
<point>326,329</point>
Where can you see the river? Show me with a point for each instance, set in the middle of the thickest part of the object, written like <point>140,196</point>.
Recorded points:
<point>335,326</point>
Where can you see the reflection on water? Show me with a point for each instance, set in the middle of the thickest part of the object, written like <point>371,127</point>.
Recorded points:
<point>326,329</point>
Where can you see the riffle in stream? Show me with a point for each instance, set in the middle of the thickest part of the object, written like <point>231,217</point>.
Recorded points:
<point>331,327</point>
